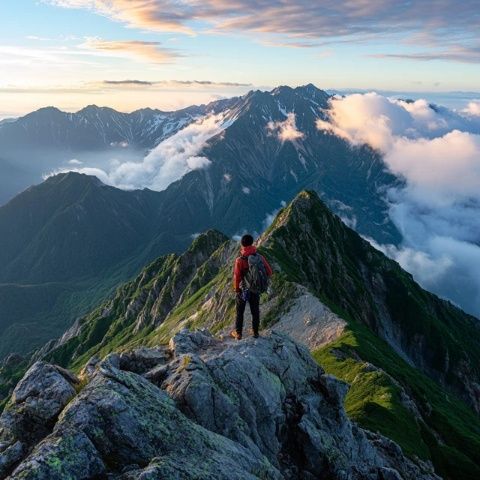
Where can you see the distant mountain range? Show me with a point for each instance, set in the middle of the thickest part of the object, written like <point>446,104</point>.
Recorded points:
<point>95,128</point>
<point>67,242</point>
<point>247,156</point>
<point>46,139</point>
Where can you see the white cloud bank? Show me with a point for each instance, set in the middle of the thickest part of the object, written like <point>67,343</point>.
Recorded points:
<point>167,162</point>
<point>473,108</point>
<point>286,130</point>
<point>270,217</point>
<point>437,152</point>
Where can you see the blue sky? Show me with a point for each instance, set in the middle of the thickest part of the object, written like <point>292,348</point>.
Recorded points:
<point>67,52</point>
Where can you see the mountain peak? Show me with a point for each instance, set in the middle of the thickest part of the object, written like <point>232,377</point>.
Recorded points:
<point>307,204</point>
<point>206,240</point>
<point>43,112</point>
<point>95,109</point>
<point>281,89</point>
<point>313,93</point>
<point>73,177</point>
<point>309,87</point>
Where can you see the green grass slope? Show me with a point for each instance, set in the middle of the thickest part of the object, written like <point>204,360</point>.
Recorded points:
<point>441,428</point>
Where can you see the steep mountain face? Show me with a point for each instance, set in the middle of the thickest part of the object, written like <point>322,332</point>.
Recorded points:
<point>366,286</point>
<point>201,408</point>
<point>63,245</point>
<point>254,169</point>
<point>411,362</point>
<point>71,226</point>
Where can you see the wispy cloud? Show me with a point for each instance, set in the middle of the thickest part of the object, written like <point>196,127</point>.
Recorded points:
<point>104,85</point>
<point>326,19</point>
<point>168,161</point>
<point>291,44</point>
<point>286,130</point>
<point>150,51</point>
<point>460,54</point>
<point>165,15</point>
<point>170,83</point>
<point>128,82</point>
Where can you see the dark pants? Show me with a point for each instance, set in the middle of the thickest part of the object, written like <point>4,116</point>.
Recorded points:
<point>254,301</point>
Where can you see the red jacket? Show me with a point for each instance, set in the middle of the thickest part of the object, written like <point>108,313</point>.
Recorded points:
<point>241,266</point>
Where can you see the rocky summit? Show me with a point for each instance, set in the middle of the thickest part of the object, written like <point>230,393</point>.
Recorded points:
<point>202,408</point>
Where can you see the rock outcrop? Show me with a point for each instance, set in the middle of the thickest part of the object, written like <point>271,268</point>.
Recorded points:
<point>36,402</point>
<point>201,408</point>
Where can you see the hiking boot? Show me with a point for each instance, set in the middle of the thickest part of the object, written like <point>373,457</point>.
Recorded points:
<point>254,333</point>
<point>234,334</point>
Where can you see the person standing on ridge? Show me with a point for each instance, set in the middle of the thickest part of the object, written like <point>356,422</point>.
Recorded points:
<point>250,279</point>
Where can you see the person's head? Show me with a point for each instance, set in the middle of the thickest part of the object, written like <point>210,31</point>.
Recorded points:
<point>246,240</point>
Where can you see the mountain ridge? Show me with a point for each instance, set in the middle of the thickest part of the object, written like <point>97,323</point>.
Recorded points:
<point>388,389</point>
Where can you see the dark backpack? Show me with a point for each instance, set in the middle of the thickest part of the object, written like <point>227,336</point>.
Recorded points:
<point>256,278</point>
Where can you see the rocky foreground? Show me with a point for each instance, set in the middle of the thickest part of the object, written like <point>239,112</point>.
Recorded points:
<point>202,408</point>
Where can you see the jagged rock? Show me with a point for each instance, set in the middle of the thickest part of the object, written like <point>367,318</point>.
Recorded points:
<point>144,359</point>
<point>70,456</point>
<point>10,455</point>
<point>256,409</point>
<point>131,421</point>
<point>158,374</point>
<point>389,474</point>
<point>41,352</point>
<point>34,407</point>
<point>190,342</point>
<point>90,368</point>
<point>270,396</point>
<point>43,392</point>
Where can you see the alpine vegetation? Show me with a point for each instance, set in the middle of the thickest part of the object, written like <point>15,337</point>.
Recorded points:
<point>150,385</point>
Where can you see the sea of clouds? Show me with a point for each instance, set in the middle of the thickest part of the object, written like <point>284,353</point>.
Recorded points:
<point>436,151</point>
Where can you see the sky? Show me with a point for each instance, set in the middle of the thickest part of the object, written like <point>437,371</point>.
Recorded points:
<point>167,54</point>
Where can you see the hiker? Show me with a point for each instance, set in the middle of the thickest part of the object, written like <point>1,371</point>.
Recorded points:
<point>250,279</point>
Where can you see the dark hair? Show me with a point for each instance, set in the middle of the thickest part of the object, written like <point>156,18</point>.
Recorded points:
<point>246,240</point>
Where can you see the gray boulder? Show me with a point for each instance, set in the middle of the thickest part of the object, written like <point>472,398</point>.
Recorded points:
<point>32,411</point>
<point>130,421</point>
<point>71,455</point>
<point>186,341</point>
